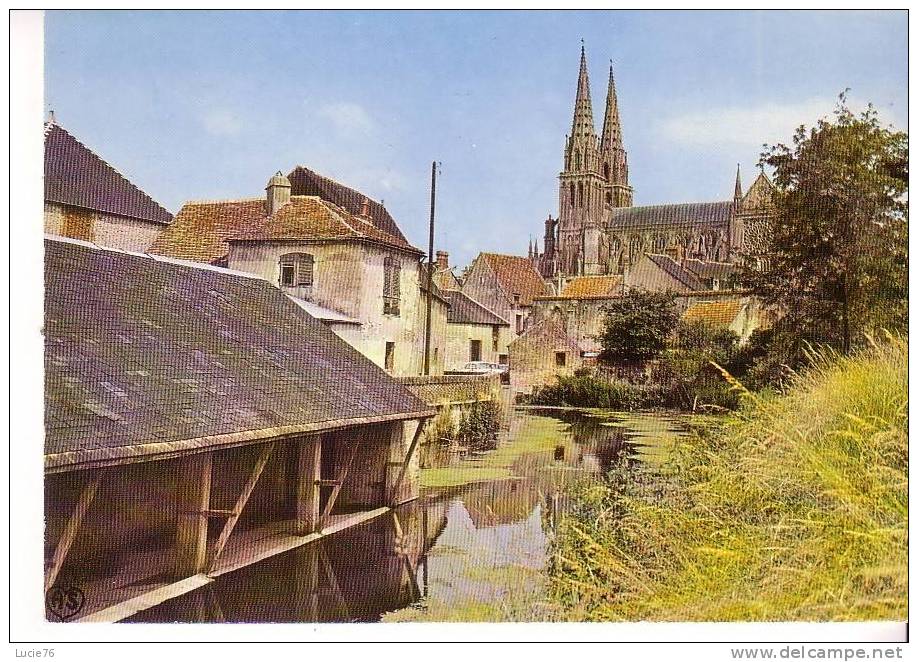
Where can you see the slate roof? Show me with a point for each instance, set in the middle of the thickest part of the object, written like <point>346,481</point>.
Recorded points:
<point>463,309</point>
<point>706,270</point>
<point>676,271</point>
<point>304,181</point>
<point>720,314</point>
<point>76,176</point>
<point>516,275</point>
<point>146,356</point>
<point>592,287</point>
<point>202,230</point>
<point>690,213</point>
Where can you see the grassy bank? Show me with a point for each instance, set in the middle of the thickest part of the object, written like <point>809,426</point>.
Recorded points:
<point>795,510</point>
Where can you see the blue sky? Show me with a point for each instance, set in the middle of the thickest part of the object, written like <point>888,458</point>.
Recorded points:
<point>208,105</point>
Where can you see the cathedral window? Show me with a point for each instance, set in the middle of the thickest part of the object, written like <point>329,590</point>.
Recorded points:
<point>572,195</point>
<point>577,159</point>
<point>605,171</point>
<point>580,194</point>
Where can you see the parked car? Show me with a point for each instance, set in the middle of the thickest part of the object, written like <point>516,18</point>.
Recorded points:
<point>484,368</point>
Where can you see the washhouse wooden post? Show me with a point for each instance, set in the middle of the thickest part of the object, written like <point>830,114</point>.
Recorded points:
<point>192,493</point>
<point>308,484</point>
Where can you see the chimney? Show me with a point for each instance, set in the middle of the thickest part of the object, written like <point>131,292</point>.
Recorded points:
<point>278,190</point>
<point>442,260</point>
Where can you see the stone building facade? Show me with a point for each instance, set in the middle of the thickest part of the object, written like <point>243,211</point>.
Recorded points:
<point>543,351</point>
<point>87,199</point>
<point>506,285</point>
<point>599,231</point>
<point>363,280</point>
<point>473,333</point>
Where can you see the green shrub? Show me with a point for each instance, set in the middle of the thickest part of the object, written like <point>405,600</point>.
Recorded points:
<point>478,427</point>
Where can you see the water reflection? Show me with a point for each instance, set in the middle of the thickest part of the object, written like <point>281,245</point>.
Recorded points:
<point>467,545</point>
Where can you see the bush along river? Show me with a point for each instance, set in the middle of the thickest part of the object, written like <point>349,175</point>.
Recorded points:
<point>474,547</point>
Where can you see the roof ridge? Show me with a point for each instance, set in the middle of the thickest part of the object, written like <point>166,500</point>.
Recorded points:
<point>205,201</point>
<point>674,204</point>
<point>155,257</point>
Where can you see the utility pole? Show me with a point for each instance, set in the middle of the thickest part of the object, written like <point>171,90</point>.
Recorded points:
<point>430,266</point>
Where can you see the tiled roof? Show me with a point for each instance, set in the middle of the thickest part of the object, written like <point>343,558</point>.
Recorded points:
<point>446,279</point>
<point>307,182</point>
<point>548,332</point>
<point>463,309</point>
<point>310,217</point>
<point>76,176</point>
<point>713,213</point>
<point>676,271</point>
<point>716,313</point>
<point>201,230</point>
<point>592,287</point>
<point>146,355</point>
<point>516,275</point>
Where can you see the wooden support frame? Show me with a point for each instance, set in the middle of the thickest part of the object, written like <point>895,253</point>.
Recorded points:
<point>340,478</point>
<point>393,492</point>
<point>308,482</point>
<point>263,457</point>
<point>194,476</point>
<point>72,527</point>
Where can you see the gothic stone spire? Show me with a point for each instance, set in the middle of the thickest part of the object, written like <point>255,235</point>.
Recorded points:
<point>738,188</point>
<point>611,126</point>
<point>583,107</point>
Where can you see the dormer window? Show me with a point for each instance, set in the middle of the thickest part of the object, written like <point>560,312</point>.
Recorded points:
<point>296,270</point>
<point>516,298</point>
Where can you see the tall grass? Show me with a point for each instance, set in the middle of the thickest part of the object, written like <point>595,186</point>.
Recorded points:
<point>795,510</point>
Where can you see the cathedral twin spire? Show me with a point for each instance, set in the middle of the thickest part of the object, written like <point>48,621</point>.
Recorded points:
<point>586,152</point>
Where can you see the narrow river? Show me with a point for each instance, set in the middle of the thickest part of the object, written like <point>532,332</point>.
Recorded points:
<point>473,547</point>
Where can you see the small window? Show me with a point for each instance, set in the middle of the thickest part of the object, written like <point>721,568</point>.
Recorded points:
<point>390,356</point>
<point>288,274</point>
<point>475,350</point>
<point>560,359</point>
<point>391,286</point>
<point>296,270</point>
<point>516,298</point>
<point>503,359</point>
<point>519,324</point>
<point>495,337</point>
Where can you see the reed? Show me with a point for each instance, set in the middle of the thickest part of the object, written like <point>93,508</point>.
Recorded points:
<point>794,509</point>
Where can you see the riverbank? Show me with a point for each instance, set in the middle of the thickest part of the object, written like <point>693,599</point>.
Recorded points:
<point>794,509</point>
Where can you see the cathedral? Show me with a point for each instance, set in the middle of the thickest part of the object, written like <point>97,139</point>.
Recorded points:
<point>598,231</point>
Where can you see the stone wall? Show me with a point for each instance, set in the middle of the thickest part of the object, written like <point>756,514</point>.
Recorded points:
<point>458,343</point>
<point>534,356</point>
<point>348,278</point>
<point>127,234</point>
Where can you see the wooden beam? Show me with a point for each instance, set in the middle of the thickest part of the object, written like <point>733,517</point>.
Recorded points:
<point>192,494</point>
<point>401,474</point>
<point>342,474</point>
<point>247,489</point>
<point>308,474</point>
<point>87,493</point>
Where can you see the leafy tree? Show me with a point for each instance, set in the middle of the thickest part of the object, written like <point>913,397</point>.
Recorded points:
<point>837,264</point>
<point>709,341</point>
<point>637,327</point>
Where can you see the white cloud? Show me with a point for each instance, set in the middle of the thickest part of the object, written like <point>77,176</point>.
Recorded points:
<point>222,122</point>
<point>347,117</point>
<point>750,127</point>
